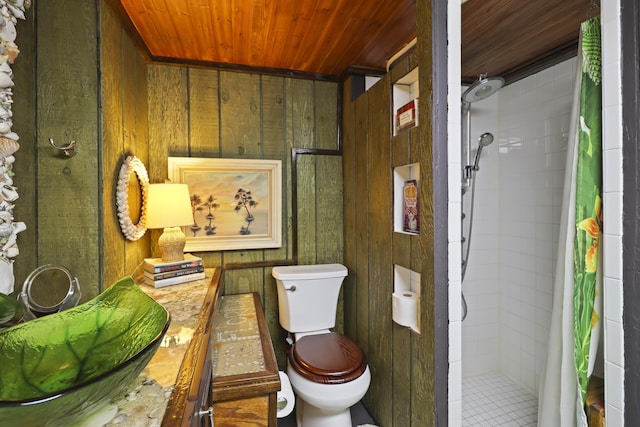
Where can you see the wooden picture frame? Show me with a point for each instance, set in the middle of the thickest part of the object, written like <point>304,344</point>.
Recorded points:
<point>236,203</point>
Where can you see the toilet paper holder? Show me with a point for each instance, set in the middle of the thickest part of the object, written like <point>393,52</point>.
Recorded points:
<point>406,298</point>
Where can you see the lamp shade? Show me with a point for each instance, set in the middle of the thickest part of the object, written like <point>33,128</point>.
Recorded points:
<point>168,205</point>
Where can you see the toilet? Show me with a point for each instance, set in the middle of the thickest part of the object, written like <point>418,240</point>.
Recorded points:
<point>328,372</point>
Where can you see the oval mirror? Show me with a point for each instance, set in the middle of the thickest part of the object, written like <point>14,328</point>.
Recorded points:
<point>133,180</point>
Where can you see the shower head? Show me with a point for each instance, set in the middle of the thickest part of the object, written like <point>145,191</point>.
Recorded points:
<point>482,88</point>
<point>484,140</point>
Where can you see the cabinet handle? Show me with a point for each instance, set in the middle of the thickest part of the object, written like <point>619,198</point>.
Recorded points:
<point>207,412</point>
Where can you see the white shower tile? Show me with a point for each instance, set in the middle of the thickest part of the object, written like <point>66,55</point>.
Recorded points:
<point>612,119</point>
<point>611,86</point>
<point>454,148</point>
<point>455,340</point>
<point>612,179</point>
<point>612,248</point>
<point>455,183</point>
<point>612,206</point>
<point>615,417</point>
<point>455,381</point>
<point>454,223</point>
<point>454,411</point>
<point>614,375</point>
<point>455,311</point>
<point>564,69</point>
<point>613,299</point>
<point>614,343</point>
<point>611,42</point>
<point>455,262</point>
<point>610,13</point>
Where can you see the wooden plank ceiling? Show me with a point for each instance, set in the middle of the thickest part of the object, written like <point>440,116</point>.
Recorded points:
<point>311,36</point>
<point>326,37</point>
<point>512,38</point>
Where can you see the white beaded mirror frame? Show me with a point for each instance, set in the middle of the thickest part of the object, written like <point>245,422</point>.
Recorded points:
<point>131,165</point>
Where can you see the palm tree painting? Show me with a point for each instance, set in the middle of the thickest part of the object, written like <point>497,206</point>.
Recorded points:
<point>211,205</point>
<point>236,203</point>
<point>196,203</point>
<point>244,201</point>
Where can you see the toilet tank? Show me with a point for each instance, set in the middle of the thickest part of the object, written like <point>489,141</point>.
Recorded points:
<point>308,295</point>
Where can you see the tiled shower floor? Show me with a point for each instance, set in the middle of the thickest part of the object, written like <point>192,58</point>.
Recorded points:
<point>495,400</point>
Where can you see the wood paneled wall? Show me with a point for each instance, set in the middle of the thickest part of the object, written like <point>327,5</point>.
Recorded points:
<point>125,120</point>
<point>208,113</point>
<point>401,361</point>
<point>57,96</point>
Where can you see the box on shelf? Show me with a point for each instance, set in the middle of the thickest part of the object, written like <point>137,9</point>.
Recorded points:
<point>406,116</point>
<point>410,207</point>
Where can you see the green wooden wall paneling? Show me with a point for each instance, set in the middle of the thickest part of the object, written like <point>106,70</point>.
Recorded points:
<point>403,248</point>
<point>380,202</point>
<point>124,124</point>
<point>361,236</point>
<point>422,386</point>
<point>397,357</point>
<point>69,197</point>
<point>113,142</point>
<point>240,118</point>
<point>349,211</point>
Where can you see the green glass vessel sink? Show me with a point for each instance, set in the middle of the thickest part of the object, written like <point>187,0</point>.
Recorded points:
<point>59,369</point>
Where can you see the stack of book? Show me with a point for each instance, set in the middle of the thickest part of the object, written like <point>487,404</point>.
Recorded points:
<point>159,274</point>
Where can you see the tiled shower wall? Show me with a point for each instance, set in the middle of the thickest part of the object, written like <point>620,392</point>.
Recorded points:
<point>509,281</point>
<point>612,205</point>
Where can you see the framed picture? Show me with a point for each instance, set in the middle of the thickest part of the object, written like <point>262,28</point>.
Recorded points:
<point>236,203</point>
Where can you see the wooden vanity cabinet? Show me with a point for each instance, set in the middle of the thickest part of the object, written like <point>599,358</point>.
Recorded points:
<point>190,399</point>
<point>229,373</point>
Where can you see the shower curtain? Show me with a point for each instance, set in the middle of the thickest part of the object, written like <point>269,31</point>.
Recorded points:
<point>577,304</point>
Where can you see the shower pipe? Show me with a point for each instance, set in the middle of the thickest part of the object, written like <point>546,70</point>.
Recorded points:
<point>479,90</point>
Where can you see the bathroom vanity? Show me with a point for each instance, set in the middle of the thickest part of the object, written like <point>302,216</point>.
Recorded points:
<point>216,361</point>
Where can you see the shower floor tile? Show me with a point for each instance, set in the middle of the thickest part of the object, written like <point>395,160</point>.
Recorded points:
<point>495,400</point>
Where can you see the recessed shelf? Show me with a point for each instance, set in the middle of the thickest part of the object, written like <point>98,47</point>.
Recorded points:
<point>404,177</point>
<point>405,102</point>
<point>406,298</point>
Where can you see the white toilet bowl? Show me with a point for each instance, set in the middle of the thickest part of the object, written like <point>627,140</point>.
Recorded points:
<point>326,405</point>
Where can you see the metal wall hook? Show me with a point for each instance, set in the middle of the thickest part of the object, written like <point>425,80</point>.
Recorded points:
<point>68,150</point>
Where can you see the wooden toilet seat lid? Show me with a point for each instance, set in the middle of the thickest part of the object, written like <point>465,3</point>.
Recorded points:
<point>328,358</point>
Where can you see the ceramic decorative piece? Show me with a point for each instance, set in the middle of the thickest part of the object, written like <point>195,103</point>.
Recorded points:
<point>8,146</point>
<point>61,368</point>
<point>131,165</point>
<point>10,12</point>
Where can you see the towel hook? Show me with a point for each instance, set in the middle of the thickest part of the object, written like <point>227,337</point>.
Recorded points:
<point>68,150</point>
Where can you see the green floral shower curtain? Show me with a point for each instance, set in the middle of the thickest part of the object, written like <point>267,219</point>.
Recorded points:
<point>577,302</point>
<point>588,206</point>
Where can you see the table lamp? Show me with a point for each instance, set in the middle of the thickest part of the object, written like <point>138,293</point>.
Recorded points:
<point>169,207</point>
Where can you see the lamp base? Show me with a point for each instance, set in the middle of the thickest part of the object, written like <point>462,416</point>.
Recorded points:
<point>171,244</point>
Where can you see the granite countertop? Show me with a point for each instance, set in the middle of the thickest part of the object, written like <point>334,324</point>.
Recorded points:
<point>145,402</point>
